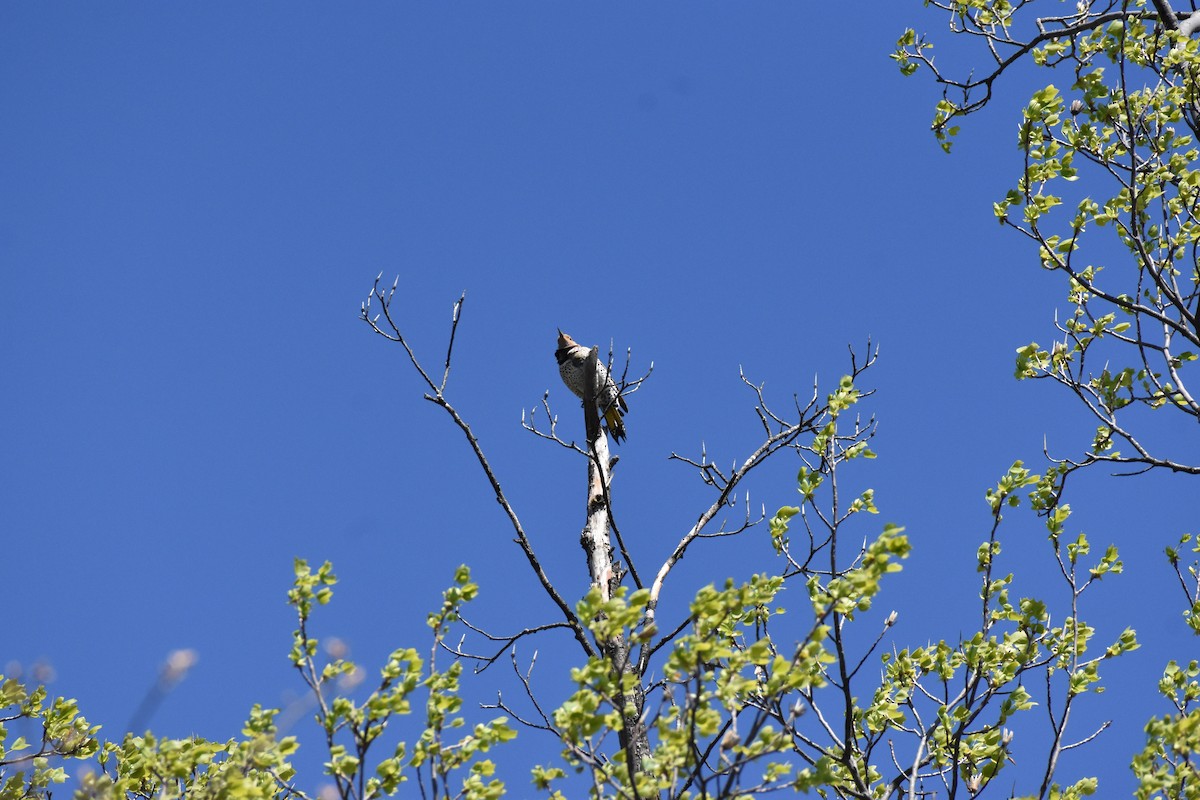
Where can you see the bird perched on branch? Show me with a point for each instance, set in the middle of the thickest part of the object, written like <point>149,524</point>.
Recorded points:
<point>572,366</point>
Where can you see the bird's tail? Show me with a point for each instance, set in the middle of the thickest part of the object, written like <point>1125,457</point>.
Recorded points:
<point>614,423</point>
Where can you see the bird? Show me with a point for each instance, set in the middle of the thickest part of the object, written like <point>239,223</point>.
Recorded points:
<point>572,365</point>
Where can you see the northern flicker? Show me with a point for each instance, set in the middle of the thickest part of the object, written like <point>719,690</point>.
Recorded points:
<point>572,365</point>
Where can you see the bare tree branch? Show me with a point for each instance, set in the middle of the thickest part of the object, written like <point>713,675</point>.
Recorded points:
<point>437,397</point>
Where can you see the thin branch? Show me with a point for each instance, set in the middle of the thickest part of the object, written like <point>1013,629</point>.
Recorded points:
<point>507,642</point>
<point>453,329</point>
<point>437,397</point>
<point>552,436</point>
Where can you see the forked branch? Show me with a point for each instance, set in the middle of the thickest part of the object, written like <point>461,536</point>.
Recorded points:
<point>390,330</point>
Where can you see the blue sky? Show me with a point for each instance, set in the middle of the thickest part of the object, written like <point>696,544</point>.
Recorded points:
<point>194,200</point>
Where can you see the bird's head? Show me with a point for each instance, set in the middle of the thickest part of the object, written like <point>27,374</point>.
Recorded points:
<point>565,340</point>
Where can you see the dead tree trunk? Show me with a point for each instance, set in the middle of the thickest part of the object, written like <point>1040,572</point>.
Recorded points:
<point>606,574</point>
